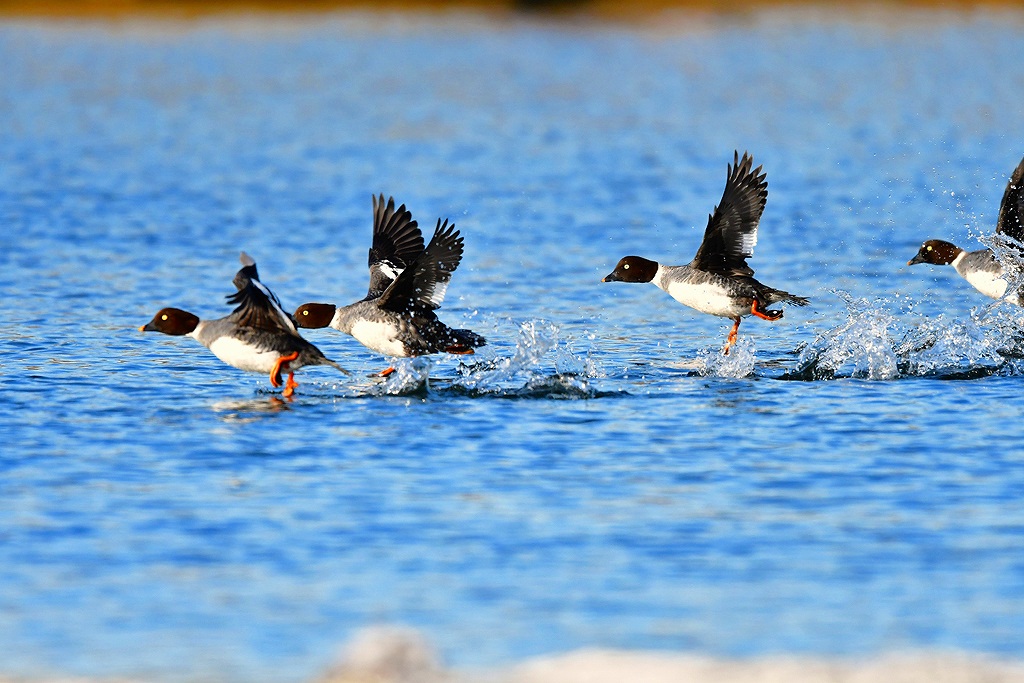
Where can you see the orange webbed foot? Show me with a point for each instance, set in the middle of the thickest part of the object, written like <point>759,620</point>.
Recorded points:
<point>387,372</point>
<point>460,350</point>
<point>755,309</point>
<point>290,385</point>
<point>281,362</point>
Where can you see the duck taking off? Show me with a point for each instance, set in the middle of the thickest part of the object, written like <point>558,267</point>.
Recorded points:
<point>981,268</point>
<point>718,280</point>
<point>258,336</point>
<point>407,284</point>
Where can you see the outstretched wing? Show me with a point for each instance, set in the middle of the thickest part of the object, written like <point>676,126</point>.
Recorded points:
<point>397,242</point>
<point>732,230</point>
<point>256,305</point>
<point>424,283</point>
<point>1011,211</point>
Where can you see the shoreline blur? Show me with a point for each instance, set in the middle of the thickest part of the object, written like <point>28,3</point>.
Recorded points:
<point>598,9</point>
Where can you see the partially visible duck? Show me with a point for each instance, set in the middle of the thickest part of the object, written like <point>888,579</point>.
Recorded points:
<point>981,268</point>
<point>399,321</point>
<point>258,336</point>
<point>718,280</point>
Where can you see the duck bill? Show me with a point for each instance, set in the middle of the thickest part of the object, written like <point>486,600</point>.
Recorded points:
<point>917,259</point>
<point>148,327</point>
<point>611,277</point>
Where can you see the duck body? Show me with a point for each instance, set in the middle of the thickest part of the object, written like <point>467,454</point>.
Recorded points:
<point>984,272</point>
<point>715,294</point>
<point>254,350</point>
<point>406,334</point>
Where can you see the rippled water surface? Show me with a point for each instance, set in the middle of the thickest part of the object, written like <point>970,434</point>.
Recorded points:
<point>847,482</point>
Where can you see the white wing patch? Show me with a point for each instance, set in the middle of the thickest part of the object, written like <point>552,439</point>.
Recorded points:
<point>389,270</point>
<point>750,241</point>
<point>437,296</point>
<point>276,305</point>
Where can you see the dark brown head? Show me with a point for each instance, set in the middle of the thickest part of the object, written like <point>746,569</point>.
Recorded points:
<point>315,315</point>
<point>632,269</point>
<point>936,252</point>
<point>172,321</point>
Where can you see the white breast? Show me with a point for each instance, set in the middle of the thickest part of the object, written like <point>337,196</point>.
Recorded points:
<point>705,297</point>
<point>242,356</point>
<point>379,336</point>
<point>987,282</point>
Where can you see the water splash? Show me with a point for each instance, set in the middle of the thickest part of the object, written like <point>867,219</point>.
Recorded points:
<point>411,377</point>
<point>879,342</point>
<point>711,362</point>
<point>541,365</point>
<point>524,374</point>
<point>942,347</point>
<point>863,346</point>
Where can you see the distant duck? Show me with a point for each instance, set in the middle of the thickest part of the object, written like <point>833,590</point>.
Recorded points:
<point>981,268</point>
<point>718,280</point>
<point>258,336</point>
<point>407,284</point>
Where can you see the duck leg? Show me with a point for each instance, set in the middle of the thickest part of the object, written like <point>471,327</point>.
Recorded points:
<point>275,373</point>
<point>732,336</point>
<point>755,309</point>
<point>289,386</point>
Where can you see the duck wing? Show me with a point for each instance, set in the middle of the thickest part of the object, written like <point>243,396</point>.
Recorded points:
<point>256,306</point>
<point>731,234</point>
<point>424,283</point>
<point>397,242</point>
<point>1011,210</point>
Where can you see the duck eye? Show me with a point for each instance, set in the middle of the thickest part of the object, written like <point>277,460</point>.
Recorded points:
<point>305,312</point>
<point>625,266</point>
<point>929,247</point>
<point>163,317</point>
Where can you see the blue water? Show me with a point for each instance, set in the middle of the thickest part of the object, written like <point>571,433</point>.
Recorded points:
<point>848,481</point>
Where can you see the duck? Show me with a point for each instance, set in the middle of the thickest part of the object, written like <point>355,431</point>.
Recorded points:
<point>408,283</point>
<point>258,336</point>
<point>981,268</point>
<point>718,280</point>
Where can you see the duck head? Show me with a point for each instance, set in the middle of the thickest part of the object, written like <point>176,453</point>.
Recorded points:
<point>632,269</point>
<point>172,321</point>
<point>936,252</point>
<point>314,316</point>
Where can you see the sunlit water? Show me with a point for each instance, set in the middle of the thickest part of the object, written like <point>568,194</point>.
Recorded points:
<point>848,481</point>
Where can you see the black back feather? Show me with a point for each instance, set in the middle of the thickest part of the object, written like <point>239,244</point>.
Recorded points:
<point>1011,210</point>
<point>731,234</point>
<point>424,283</point>
<point>397,242</point>
<point>256,306</point>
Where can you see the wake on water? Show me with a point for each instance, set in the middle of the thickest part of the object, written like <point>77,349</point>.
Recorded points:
<point>881,339</point>
<point>526,373</point>
<point>878,341</point>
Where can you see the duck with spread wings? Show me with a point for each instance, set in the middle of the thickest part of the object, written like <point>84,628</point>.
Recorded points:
<point>718,280</point>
